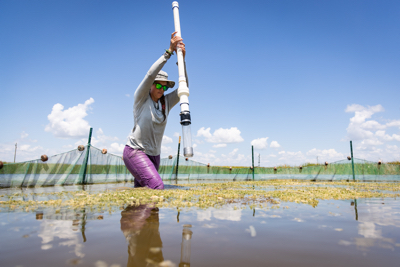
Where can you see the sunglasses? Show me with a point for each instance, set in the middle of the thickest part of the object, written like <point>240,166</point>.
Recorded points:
<point>159,86</point>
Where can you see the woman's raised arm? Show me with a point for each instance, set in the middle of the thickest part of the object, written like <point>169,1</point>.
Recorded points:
<point>143,89</point>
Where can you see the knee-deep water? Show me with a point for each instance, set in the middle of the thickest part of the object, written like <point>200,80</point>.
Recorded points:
<point>229,224</point>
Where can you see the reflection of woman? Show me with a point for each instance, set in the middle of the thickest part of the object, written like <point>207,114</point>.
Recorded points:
<point>140,225</point>
<point>151,109</point>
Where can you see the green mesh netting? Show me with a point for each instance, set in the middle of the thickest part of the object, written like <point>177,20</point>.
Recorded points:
<point>339,170</point>
<point>66,169</point>
<point>69,168</point>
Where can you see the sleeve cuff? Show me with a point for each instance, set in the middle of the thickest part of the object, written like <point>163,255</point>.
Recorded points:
<point>167,55</point>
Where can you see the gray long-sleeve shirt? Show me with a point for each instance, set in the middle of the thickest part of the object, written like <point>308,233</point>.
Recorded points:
<point>149,123</point>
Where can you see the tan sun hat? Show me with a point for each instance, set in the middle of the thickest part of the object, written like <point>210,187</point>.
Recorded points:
<point>163,76</point>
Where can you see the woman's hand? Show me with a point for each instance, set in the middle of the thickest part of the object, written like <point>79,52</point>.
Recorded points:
<point>176,41</point>
<point>181,45</point>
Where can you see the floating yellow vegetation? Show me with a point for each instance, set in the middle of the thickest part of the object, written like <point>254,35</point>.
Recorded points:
<point>205,195</point>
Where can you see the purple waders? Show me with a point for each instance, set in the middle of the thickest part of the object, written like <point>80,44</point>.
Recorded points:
<point>143,167</point>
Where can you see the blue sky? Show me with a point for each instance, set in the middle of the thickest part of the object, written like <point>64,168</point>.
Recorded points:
<point>297,79</point>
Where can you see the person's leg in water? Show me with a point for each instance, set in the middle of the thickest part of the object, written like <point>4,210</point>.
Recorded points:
<point>143,167</point>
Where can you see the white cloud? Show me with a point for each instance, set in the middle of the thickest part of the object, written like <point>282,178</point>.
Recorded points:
<point>221,135</point>
<point>385,153</point>
<point>24,139</point>
<point>395,123</point>
<point>26,150</point>
<point>329,155</point>
<point>68,146</point>
<point>7,152</point>
<point>363,112</point>
<point>24,147</point>
<point>291,158</point>
<point>166,151</point>
<point>128,95</point>
<point>373,125</point>
<point>198,141</point>
<point>29,148</point>
<point>204,132</point>
<point>233,153</point>
<point>100,140</point>
<point>24,135</point>
<point>204,157</point>
<point>275,144</point>
<point>166,140</point>
<point>394,137</point>
<point>116,148</point>
<point>233,159</point>
<point>372,142</point>
<point>394,147</point>
<point>176,134</point>
<point>69,123</point>
<point>260,143</point>
<point>369,135</point>
<point>219,145</point>
<point>358,128</point>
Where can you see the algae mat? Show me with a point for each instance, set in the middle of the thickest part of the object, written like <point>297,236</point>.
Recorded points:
<point>204,195</point>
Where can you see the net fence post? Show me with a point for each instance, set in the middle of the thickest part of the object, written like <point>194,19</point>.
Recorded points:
<point>252,160</point>
<point>15,153</point>
<point>177,157</point>
<point>85,161</point>
<point>352,160</point>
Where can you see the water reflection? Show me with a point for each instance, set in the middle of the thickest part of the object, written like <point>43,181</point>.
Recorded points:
<point>185,246</point>
<point>354,203</point>
<point>372,219</point>
<point>51,229</point>
<point>365,230</point>
<point>140,226</point>
<point>229,213</point>
<point>373,216</point>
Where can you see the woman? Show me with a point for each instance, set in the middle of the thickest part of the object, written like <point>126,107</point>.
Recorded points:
<point>150,110</point>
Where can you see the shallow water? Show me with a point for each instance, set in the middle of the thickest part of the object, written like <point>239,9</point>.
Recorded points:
<point>363,232</point>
